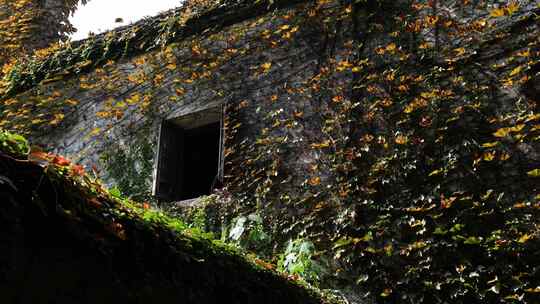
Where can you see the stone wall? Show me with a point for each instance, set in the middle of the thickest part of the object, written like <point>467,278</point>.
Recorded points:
<point>373,129</point>
<point>249,64</point>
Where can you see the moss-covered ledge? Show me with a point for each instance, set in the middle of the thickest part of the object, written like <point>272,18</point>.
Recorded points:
<point>64,239</point>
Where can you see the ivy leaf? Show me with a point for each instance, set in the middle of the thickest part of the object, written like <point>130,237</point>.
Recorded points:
<point>77,170</point>
<point>490,144</point>
<point>315,181</point>
<point>498,12</point>
<point>516,71</point>
<point>534,173</point>
<point>472,240</point>
<point>524,238</point>
<point>61,161</point>
<point>512,8</point>
<point>502,132</point>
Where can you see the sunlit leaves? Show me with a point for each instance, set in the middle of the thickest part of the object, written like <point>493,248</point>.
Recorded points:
<point>515,71</point>
<point>401,139</point>
<point>498,12</point>
<point>507,10</point>
<point>265,67</point>
<point>504,132</point>
<point>389,148</point>
<point>390,49</point>
<point>534,173</point>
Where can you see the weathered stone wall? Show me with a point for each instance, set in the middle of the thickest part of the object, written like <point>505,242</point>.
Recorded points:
<point>393,134</point>
<point>254,64</point>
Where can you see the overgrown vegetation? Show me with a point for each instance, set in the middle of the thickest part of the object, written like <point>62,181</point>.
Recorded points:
<point>130,167</point>
<point>26,26</point>
<point>420,180</point>
<point>13,144</point>
<point>52,190</point>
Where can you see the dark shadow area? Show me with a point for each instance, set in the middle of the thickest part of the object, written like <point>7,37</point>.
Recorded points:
<point>201,157</point>
<point>60,243</point>
<point>188,161</point>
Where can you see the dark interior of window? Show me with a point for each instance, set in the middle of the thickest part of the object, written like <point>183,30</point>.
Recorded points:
<point>201,155</point>
<point>188,161</point>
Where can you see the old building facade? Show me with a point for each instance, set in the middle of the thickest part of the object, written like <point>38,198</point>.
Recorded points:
<point>360,126</point>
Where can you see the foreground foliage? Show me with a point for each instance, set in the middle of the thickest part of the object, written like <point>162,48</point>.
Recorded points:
<point>146,249</point>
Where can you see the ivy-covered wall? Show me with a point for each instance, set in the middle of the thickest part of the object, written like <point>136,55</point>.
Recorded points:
<point>398,137</point>
<point>65,239</point>
<point>113,107</point>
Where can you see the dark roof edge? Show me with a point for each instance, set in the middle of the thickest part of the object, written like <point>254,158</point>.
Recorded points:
<point>125,42</point>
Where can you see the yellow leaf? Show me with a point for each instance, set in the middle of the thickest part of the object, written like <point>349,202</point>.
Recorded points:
<point>537,289</point>
<point>72,102</point>
<point>403,88</point>
<point>266,66</point>
<point>512,8</point>
<point>95,132</point>
<point>532,117</point>
<point>180,91</point>
<point>57,119</point>
<point>401,139</point>
<point>524,238</point>
<point>436,172</point>
<point>459,51</point>
<point>489,156</point>
<point>135,98</point>
<point>387,292</point>
<point>409,108</point>
<point>502,132</point>
<point>515,71</point>
<point>517,128</point>
<point>534,173</point>
<point>525,53</point>
<point>490,144</point>
<point>391,47</point>
<point>498,12</point>
<point>322,145</point>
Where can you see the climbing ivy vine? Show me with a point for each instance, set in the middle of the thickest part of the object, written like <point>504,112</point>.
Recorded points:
<point>403,152</point>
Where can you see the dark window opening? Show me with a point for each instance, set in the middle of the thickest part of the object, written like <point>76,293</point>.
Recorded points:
<point>188,161</point>
<point>201,148</point>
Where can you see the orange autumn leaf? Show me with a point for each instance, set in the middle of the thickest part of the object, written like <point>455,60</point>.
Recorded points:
<point>77,170</point>
<point>315,181</point>
<point>447,202</point>
<point>40,155</point>
<point>60,161</point>
<point>401,139</point>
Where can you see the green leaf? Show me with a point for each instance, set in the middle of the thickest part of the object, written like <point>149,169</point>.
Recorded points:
<point>472,240</point>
